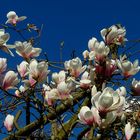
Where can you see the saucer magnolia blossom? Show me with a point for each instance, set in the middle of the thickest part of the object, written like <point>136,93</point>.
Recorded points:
<point>59,77</point>
<point>26,50</point>
<point>136,87</point>
<point>64,90</point>
<point>75,67</point>
<point>3,64</point>
<point>85,81</point>
<point>10,80</point>
<point>89,116</point>
<point>98,51</point>
<point>107,101</point>
<point>23,68</point>
<point>38,70</point>
<point>13,18</point>
<point>9,121</point>
<point>50,94</point>
<point>129,130</point>
<point>128,69</point>
<point>114,35</point>
<point>4,37</point>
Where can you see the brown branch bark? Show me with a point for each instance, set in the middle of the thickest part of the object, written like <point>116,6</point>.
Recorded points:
<point>25,131</point>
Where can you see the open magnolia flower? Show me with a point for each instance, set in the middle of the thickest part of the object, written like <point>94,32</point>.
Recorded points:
<point>26,50</point>
<point>4,37</point>
<point>75,67</point>
<point>38,70</point>
<point>114,35</point>
<point>3,64</point>
<point>50,94</point>
<point>59,77</point>
<point>9,121</point>
<point>128,69</point>
<point>136,87</point>
<point>89,116</point>
<point>64,90</point>
<point>129,130</point>
<point>98,50</point>
<point>13,18</point>
<point>23,68</point>
<point>10,80</point>
<point>109,100</point>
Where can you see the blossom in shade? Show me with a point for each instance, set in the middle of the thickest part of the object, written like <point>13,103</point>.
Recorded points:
<point>13,18</point>
<point>75,67</point>
<point>23,69</point>
<point>128,69</point>
<point>3,64</point>
<point>129,130</point>
<point>136,87</point>
<point>38,70</point>
<point>26,50</point>
<point>114,35</point>
<point>10,80</point>
<point>9,121</point>
<point>89,116</point>
<point>106,70</point>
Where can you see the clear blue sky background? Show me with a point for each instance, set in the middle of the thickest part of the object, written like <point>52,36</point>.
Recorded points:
<point>74,21</point>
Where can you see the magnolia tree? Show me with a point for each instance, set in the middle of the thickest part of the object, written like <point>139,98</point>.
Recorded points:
<point>90,98</point>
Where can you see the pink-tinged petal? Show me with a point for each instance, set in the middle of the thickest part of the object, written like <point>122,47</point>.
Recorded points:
<point>86,116</point>
<point>10,80</point>
<point>8,123</point>
<point>129,130</point>
<point>96,115</point>
<point>93,90</point>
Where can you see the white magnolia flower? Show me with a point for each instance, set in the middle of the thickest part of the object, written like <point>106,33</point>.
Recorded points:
<point>21,89</point>
<point>89,116</point>
<point>75,67</point>
<point>85,81</point>
<point>136,87</point>
<point>26,50</point>
<point>51,95</point>
<point>109,100</point>
<point>38,70</point>
<point>64,90</point>
<point>114,35</point>
<point>10,80</point>
<point>9,121</point>
<point>3,64</point>
<point>13,18</point>
<point>98,50</point>
<point>128,69</point>
<point>23,68</point>
<point>129,130</point>
<point>59,77</point>
<point>85,54</point>
<point>4,37</point>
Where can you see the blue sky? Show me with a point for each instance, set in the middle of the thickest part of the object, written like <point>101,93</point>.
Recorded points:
<point>73,21</point>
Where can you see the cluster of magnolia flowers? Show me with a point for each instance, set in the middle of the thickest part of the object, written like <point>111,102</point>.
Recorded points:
<point>107,104</point>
